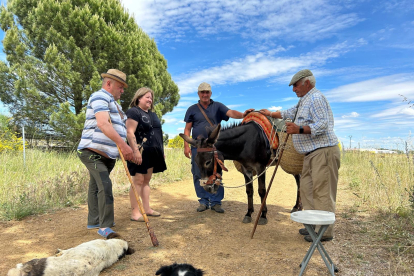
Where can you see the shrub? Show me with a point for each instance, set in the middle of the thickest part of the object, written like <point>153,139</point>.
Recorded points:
<point>176,143</point>
<point>8,138</point>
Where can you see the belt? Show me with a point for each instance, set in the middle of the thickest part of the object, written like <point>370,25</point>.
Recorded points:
<point>306,154</point>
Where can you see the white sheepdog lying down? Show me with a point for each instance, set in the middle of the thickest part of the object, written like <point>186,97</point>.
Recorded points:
<point>86,259</point>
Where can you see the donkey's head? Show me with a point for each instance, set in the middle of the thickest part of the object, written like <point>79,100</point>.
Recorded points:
<point>208,159</point>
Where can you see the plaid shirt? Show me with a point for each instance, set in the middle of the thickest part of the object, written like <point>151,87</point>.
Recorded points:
<point>315,112</point>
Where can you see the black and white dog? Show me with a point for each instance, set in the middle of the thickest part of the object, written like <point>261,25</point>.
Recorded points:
<point>179,270</point>
<point>86,259</point>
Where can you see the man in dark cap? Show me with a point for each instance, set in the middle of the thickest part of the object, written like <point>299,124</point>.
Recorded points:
<point>313,136</point>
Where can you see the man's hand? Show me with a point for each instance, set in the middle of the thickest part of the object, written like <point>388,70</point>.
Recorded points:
<point>126,151</point>
<point>247,112</point>
<point>265,112</point>
<point>187,152</point>
<point>292,128</point>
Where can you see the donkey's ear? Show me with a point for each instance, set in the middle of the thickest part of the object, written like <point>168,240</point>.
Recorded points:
<point>189,140</point>
<point>212,138</point>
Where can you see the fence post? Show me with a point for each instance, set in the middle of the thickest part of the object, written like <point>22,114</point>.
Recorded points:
<point>24,148</point>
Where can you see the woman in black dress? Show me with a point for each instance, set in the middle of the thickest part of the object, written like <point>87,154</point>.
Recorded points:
<point>144,135</point>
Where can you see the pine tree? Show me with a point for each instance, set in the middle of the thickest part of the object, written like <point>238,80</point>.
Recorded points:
<point>56,50</point>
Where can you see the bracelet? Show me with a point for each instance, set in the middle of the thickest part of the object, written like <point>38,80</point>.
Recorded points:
<point>271,114</point>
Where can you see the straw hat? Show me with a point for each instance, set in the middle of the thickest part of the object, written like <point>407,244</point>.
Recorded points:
<point>116,75</point>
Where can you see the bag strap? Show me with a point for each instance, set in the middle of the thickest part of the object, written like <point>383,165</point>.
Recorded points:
<point>205,116</point>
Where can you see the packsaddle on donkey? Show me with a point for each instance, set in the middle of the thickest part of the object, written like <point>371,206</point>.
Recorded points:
<point>251,145</point>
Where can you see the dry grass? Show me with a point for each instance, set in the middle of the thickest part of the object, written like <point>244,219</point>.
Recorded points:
<point>51,180</point>
<point>378,223</point>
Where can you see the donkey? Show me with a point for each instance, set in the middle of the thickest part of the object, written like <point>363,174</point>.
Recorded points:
<point>245,143</point>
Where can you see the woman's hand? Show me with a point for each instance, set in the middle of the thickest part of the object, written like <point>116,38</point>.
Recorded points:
<point>137,157</point>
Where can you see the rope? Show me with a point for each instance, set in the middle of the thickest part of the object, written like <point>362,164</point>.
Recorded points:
<point>283,130</point>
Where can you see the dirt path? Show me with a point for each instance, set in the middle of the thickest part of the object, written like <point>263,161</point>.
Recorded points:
<point>220,244</point>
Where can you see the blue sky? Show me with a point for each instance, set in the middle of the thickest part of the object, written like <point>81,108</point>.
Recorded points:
<point>361,53</point>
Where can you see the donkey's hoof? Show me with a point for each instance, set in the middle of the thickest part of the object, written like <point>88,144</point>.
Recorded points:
<point>262,221</point>
<point>247,219</point>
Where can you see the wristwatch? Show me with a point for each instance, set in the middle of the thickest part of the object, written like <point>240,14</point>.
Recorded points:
<point>301,129</point>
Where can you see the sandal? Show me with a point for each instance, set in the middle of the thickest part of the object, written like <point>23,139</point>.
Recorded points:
<point>154,214</point>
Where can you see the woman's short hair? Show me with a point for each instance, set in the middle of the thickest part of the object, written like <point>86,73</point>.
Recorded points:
<point>139,94</point>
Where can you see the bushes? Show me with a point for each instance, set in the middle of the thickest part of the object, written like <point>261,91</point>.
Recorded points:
<point>176,143</point>
<point>8,138</point>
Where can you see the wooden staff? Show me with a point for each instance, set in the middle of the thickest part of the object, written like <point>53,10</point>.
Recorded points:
<point>274,173</point>
<point>141,208</point>
<point>270,185</point>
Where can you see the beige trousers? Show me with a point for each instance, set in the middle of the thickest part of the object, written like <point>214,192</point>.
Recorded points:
<point>319,181</point>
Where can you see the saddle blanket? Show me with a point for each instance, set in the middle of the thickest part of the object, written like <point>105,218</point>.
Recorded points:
<point>265,125</point>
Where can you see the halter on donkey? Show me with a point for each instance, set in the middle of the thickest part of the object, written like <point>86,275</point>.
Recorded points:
<point>245,143</point>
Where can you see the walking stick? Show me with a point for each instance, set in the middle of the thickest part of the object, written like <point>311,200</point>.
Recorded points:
<point>270,185</point>
<point>141,209</point>
<point>274,173</point>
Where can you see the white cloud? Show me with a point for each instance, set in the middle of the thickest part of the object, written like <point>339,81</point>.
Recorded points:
<point>274,108</point>
<point>234,106</point>
<point>266,19</point>
<point>352,114</point>
<point>400,110</point>
<point>378,89</point>
<point>260,66</point>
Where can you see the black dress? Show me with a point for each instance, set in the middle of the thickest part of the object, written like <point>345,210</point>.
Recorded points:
<point>149,126</point>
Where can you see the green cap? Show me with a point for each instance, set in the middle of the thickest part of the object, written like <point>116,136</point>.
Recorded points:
<point>300,75</point>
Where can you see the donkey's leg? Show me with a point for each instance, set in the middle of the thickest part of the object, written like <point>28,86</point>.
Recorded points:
<point>298,205</point>
<point>262,193</point>
<point>249,191</point>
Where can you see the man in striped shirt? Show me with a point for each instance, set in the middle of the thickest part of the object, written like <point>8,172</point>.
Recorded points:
<point>313,136</point>
<point>98,148</point>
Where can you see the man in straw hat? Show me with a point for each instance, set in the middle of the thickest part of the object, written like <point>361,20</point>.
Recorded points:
<point>197,123</point>
<point>98,148</point>
<point>313,136</point>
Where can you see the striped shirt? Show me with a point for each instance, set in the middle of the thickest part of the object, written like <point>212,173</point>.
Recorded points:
<point>315,112</point>
<point>92,136</point>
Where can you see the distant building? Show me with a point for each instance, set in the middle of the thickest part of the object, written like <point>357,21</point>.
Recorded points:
<point>374,150</point>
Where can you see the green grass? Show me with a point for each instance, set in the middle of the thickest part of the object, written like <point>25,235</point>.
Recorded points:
<point>52,180</point>
<point>382,181</point>
<point>384,210</point>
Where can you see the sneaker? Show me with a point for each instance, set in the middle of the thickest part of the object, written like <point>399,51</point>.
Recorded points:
<point>308,238</point>
<point>201,208</point>
<point>217,208</point>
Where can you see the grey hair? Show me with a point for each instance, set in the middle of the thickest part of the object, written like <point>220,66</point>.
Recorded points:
<point>311,79</point>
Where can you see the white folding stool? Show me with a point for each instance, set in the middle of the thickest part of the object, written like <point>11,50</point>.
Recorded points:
<point>310,218</point>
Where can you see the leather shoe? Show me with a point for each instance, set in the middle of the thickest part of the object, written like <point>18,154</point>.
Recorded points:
<point>201,208</point>
<point>308,238</point>
<point>304,231</point>
<point>217,208</point>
